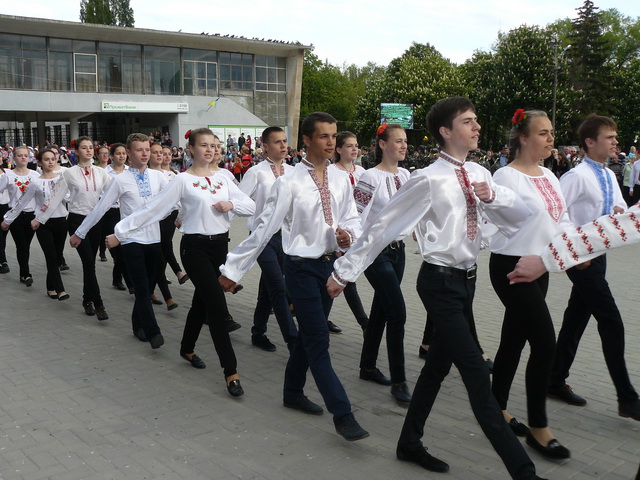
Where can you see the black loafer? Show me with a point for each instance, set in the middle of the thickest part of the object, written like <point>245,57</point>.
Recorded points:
<point>157,341</point>
<point>119,286</point>
<point>139,334</point>
<point>28,281</point>
<point>629,409</point>
<point>422,458</point>
<point>184,279</point>
<point>195,360</point>
<point>88,308</point>
<point>374,375</point>
<point>53,296</point>
<point>400,392</point>
<point>565,393</point>
<point>349,428</point>
<point>263,342</point>
<point>101,313</point>
<point>62,298</point>
<point>64,267</point>
<point>155,300</point>
<point>422,352</point>
<point>232,325</point>
<point>4,268</point>
<point>519,429</point>
<point>554,450</point>
<point>235,389</point>
<point>304,405</point>
<point>333,328</point>
<point>103,258</point>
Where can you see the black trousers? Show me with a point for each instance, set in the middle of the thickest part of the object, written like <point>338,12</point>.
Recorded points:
<point>449,301</point>
<point>201,257</point>
<point>119,271</point>
<point>22,234</point>
<point>51,237</point>
<point>87,250</point>
<point>526,319</point>
<point>352,297</point>
<point>591,295</point>
<point>4,208</point>
<point>167,229</point>
<point>143,262</point>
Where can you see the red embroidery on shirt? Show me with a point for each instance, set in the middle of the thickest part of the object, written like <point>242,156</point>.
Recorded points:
<point>569,245</point>
<point>585,240</point>
<point>556,256</point>
<point>550,197</point>
<point>325,194</point>
<point>472,212</point>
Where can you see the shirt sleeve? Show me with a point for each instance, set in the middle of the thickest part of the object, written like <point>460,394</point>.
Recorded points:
<point>507,212</point>
<point>107,199</point>
<point>243,206</point>
<point>240,260</point>
<point>23,201</point>
<point>47,209</point>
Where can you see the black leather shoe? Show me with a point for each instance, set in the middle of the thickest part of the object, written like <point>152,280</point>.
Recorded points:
<point>4,268</point>
<point>139,334</point>
<point>62,298</point>
<point>554,450</point>
<point>184,279</point>
<point>400,392</point>
<point>119,286</point>
<point>195,360</point>
<point>28,281</point>
<point>53,296</point>
<point>304,405</point>
<point>349,428</point>
<point>520,429</point>
<point>566,393</point>
<point>88,308</point>
<point>333,328</point>
<point>235,389</point>
<point>374,375</point>
<point>232,325</point>
<point>422,352</point>
<point>101,313</point>
<point>157,341</point>
<point>629,409</point>
<point>155,300</point>
<point>103,258</point>
<point>261,341</point>
<point>64,267</point>
<point>422,458</point>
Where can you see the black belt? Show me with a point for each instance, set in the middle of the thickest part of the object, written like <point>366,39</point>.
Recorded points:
<point>396,245</point>
<point>326,258</point>
<point>453,272</point>
<point>219,236</point>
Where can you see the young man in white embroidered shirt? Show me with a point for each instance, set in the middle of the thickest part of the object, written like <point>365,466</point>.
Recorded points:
<point>443,203</point>
<point>591,190</point>
<point>141,251</point>
<point>257,183</point>
<point>314,207</point>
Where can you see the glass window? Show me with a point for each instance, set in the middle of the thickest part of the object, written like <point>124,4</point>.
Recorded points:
<point>81,46</point>
<point>10,62</point>
<point>162,70</point>
<point>204,55</point>
<point>60,71</point>
<point>236,71</point>
<point>200,78</point>
<point>120,68</point>
<point>132,75</point>
<point>270,76</point>
<point>34,43</point>
<point>85,70</point>
<point>271,107</point>
<point>60,45</point>
<point>34,65</point>
<point>9,41</point>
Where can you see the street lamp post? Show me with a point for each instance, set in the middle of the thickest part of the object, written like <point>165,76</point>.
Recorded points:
<point>554,44</point>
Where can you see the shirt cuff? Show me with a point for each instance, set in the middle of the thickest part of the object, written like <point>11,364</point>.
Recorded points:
<point>338,279</point>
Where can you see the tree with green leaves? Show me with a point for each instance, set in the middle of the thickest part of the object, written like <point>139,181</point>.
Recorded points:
<point>107,12</point>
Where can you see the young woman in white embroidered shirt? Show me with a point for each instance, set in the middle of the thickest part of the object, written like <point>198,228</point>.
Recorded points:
<point>84,182</point>
<point>373,191</point>
<point>344,160</point>
<point>16,182</point>
<point>205,200</point>
<point>527,318</point>
<point>52,235</point>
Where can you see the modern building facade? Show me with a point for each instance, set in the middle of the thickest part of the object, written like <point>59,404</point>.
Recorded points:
<point>59,80</point>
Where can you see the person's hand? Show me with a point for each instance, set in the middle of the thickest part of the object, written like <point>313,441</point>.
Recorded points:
<point>334,289</point>
<point>178,223</point>
<point>343,238</point>
<point>482,191</point>
<point>111,241</point>
<point>223,207</point>
<point>618,210</point>
<point>5,226</point>
<point>584,265</point>
<point>528,268</point>
<point>226,284</point>
<point>35,224</point>
<point>75,241</point>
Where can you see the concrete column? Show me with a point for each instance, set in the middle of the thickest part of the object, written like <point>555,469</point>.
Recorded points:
<point>42,133</point>
<point>26,128</point>
<point>75,130</point>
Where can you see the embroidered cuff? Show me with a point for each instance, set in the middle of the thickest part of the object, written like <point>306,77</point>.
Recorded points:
<point>493,197</point>
<point>339,280</point>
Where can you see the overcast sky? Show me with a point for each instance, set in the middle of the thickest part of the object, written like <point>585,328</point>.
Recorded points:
<point>355,31</point>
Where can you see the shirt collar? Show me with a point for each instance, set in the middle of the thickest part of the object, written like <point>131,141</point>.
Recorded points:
<point>593,163</point>
<point>448,158</point>
<point>310,165</point>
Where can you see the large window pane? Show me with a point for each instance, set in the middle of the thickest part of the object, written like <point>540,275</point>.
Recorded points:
<point>85,83</point>
<point>60,71</point>
<point>110,73</point>
<point>132,75</point>
<point>162,77</point>
<point>34,72</point>
<point>10,41</point>
<point>81,46</point>
<point>60,45</point>
<point>34,43</point>
<point>203,55</point>
<point>9,68</point>
<point>85,63</point>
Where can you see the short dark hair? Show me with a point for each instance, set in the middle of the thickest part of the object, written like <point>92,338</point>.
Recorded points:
<point>309,123</point>
<point>43,151</point>
<point>114,147</point>
<point>591,126</point>
<point>443,112</point>
<point>83,139</point>
<point>266,133</point>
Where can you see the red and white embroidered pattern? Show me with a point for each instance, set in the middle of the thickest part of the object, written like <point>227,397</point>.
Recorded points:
<point>569,245</point>
<point>325,194</point>
<point>465,184</point>
<point>274,170</point>
<point>88,171</point>
<point>556,256</point>
<point>550,197</point>
<point>585,239</point>
<point>363,193</point>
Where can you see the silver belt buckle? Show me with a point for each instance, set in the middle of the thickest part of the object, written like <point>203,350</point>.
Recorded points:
<point>471,272</point>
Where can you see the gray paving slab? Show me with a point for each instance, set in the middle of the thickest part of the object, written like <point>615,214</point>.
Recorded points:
<point>82,399</point>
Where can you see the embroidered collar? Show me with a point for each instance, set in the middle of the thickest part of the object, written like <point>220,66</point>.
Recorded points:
<point>308,164</point>
<point>592,163</point>
<point>143,181</point>
<point>137,172</point>
<point>606,184</point>
<point>448,158</point>
<point>274,169</point>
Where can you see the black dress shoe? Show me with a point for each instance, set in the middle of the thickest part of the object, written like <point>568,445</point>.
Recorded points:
<point>629,409</point>
<point>553,450</point>
<point>53,296</point>
<point>235,389</point>
<point>64,267</point>
<point>88,308</point>
<point>184,279</point>
<point>400,392</point>
<point>155,300</point>
<point>422,352</point>
<point>232,325</point>
<point>333,328</point>
<point>101,313</point>
<point>28,280</point>
<point>103,258</point>
<point>565,393</point>
<point>349,428</point>
<point>62,298</point>
<point>4,268</point>
<point>261,341</point>
<point>520,429</point>
<point>304,405</point>
<point>119,286</point>
<point>374,375</point>
<point>195,360</point>
<point>422,458</point>
<point>139,334</point>
<point>157,341</point>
